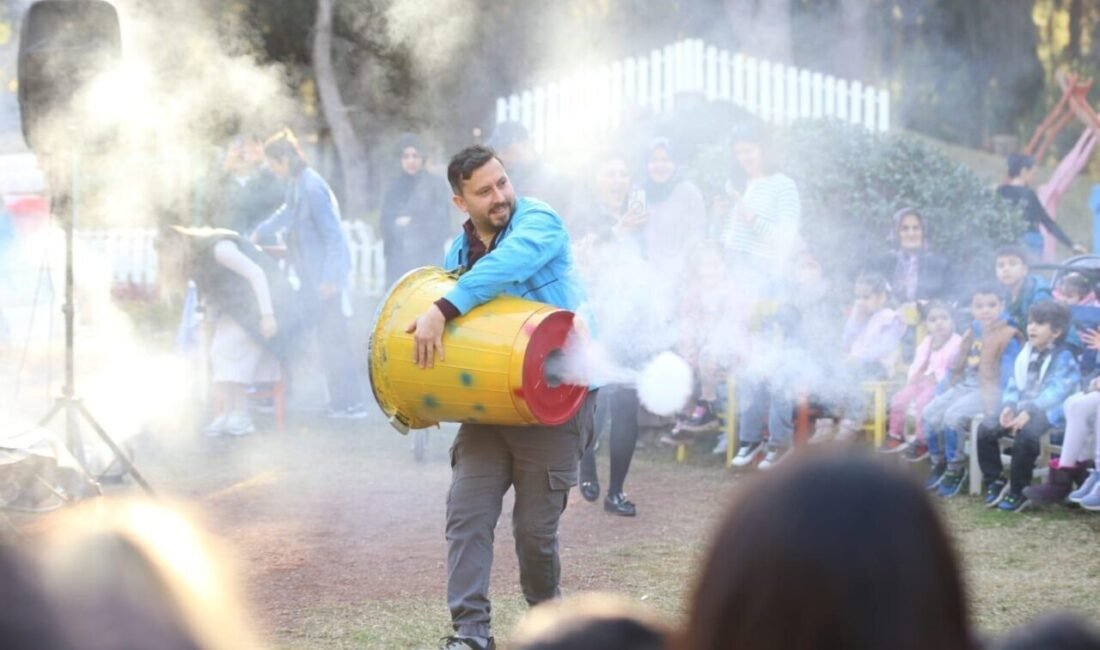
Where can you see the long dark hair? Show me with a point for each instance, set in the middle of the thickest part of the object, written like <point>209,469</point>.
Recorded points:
<point>284,144</point>
<point>830,553</point>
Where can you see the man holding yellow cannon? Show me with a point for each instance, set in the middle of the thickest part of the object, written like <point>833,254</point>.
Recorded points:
<point>516,246</point>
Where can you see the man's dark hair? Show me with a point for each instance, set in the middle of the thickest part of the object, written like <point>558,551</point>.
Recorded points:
<point>284,144</point>
<point>1018,162</point>
<point>1049,312</point>
<point>987,290</point>
<point>466,162</point>
<point>783,553</point>
<point>1013,250</point>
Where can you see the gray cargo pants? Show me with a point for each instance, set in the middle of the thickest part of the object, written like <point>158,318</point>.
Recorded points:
<point>541,463</point>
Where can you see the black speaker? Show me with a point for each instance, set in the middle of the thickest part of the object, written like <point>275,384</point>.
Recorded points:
<point>63,45</point>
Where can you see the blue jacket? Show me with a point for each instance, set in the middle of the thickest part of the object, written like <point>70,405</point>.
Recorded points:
<point>316,245</point>
<point>1034,289</point>
<point>531,259</point>
<point>1058,379</point>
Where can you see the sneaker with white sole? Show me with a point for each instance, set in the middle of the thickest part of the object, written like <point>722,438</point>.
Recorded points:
<point>747,453</point>
<point>824,430</point>
<point>217,425</point>
<point>1086,488</point>
<point>774,456</point>
<point>239,423</point>
<point>1092,500</point>
<point>720,446</point>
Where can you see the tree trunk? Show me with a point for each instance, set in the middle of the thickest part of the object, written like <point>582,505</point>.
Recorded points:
<point>348,147</point>
<point>1076,29</point>
<point>761,27</point>
<point>851,46</point>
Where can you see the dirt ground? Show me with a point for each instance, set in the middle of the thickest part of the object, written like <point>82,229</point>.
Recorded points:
<point>327,516</point>
<point>338,535</point>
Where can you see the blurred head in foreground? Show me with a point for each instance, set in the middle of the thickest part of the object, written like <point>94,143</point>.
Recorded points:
<point>591,622</point>
<point>138,575</point>
<point>829,553</point>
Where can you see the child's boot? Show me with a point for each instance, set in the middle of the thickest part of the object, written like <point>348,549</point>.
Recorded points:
<point>1055,489</point>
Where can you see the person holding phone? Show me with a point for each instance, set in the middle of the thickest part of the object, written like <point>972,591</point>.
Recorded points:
<point>763,227</point>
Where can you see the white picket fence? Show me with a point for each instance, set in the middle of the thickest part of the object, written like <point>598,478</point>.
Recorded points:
<point>588,104</point>
<point>133,261</point>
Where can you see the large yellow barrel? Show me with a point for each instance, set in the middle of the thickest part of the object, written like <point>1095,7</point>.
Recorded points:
<point>495,360</point>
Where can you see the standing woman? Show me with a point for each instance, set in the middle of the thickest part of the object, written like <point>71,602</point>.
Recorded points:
<point>763,231</point>
<point>415,216</point>
<point>608,232</point>
<point>676,213</point>
<point>319,253</point>
<point>915,273</point>
<point>249,304</point>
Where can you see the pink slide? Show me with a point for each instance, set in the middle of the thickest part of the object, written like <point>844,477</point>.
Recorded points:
<point>1051,191</point>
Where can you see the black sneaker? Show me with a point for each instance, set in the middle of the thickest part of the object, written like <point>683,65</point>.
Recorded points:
<point>952,482</point>
<point>935,475</point>
<point>747,453</point>
<point>1013,503</point>
<point>994,491</point>
<point>702,418</point>
<point>466,643</point>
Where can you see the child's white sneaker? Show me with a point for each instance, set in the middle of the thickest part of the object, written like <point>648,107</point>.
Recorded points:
<point>824,430</point>
<point>239,423</point>
<point>217,425</point>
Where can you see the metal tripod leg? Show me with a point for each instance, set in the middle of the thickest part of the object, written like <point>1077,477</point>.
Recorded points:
<point>119,454</point>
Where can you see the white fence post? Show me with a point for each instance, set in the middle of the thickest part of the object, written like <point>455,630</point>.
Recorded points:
<point>855,102</point>
<point>752,86</point>
<point>739,75</point>
<point>538,131</point>
<point>883,110</point>
<point>711,74</point>
<point>725,76</point>
<point>779,93</point>
<point>656,80</point>
<point>764,79</point>
<point>870,99</point>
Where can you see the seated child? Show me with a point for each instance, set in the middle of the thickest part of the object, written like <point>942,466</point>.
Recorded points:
<point>930,363</point>
<point>1044,375</point>
<point>871,340</point>
<point>1021,290</point>
<point>972,387</point>
<point>792,350</point>
<point>1074,467</point>
<point>711,312</point>
<point>1075,290</point>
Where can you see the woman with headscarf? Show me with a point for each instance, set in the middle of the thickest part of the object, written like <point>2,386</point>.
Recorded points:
<point>915,273</point>
<point>675,210</point>
<point>415,215</point>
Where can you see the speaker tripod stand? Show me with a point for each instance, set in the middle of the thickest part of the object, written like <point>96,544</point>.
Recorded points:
<point>68,402</point>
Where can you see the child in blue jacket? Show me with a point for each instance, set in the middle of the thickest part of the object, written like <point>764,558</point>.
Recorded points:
<point>1045,374</point>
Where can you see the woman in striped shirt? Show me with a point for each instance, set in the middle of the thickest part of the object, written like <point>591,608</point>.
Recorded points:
<point>763,230</point>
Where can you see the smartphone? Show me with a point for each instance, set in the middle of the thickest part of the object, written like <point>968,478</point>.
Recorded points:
<point>635,203</point>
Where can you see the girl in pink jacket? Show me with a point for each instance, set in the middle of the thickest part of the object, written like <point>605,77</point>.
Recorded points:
<point>930,364</point>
